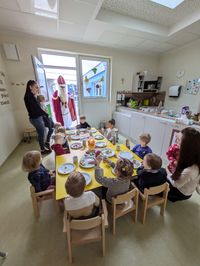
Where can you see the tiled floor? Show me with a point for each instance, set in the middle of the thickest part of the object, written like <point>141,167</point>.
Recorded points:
<point>169,241</point>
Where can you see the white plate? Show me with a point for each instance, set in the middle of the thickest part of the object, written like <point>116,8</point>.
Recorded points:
<point>88,178</point>
<point>99,137</point>
<point>70,132</point>
<point>93,131</point>
<point>66,168</point>
<point>108,152</point>
<point>75,137</point>
<point>82,129</point>
<point>86,161</point>
<point>126,155</point>
<point>100,144</point>
<point>76,145</point>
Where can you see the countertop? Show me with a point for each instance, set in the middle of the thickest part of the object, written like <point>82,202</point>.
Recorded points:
<point>166,117</point>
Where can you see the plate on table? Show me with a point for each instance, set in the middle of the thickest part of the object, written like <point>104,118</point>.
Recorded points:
<point>100,144</point>
<point>108,152</point>
<point>88,178</point>
<point>75,137</point>
<point>126,155</point>
<point>82,129</point>
<point>99,137</point>
<point>66,168</point>
<point>70,132</point>
<point>86,162</point>
<point>93,131</point>
<point>76,145</point>
<point>136,163</point>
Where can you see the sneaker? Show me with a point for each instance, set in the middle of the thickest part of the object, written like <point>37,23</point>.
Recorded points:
<point>45,151</point>
<point>47,145</point>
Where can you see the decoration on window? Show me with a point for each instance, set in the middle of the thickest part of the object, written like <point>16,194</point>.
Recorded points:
<point>94,70</point>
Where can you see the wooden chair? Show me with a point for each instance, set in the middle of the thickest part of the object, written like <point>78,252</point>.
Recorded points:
<point>38,197</point>
<point>123,204</point>
<point>151,198</point>
<point>85,231</point>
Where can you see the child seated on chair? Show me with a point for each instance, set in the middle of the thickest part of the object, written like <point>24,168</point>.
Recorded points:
<point>142,149</point>
<point>83,123</point>
<point>56,126</point>
<point>110,131</point>
<point>40,177</point>
<point>150,174</point>
<point>57,147</point>
<point>80,204</point>
<point>65,145</point>
<point>123,170</point>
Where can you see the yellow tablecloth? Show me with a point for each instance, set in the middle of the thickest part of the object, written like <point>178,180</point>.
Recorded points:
<point>61,179</point>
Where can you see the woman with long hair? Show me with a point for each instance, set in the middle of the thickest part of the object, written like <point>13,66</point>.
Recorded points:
<point>186,178</point>
<point>36,114</point>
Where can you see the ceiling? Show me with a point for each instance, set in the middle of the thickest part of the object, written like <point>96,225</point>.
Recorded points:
<point>132,25</point>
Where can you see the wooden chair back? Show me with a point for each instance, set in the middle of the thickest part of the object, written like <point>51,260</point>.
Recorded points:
<point>86,230</point>
<point>154,196</point>
<point>38,197</point>
<point>123,204</point>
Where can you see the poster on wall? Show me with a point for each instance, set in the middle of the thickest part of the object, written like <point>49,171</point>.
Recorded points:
<point>192,86</point>
<point>4,97</point>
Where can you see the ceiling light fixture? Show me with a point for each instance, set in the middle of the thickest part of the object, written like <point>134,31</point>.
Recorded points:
<point>168,3</point>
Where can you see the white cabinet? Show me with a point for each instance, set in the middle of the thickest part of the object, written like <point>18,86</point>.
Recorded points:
<point>137,126</point>
<point>123,122</point>
<point>156,128</point>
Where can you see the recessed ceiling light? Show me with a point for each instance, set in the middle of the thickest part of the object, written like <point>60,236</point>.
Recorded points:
<point>168,3</point>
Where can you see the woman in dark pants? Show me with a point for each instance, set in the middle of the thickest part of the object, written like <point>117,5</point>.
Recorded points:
<point>36,114</point>
<point>186,178</point>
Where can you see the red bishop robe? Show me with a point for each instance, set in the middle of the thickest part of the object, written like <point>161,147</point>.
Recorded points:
<point>57,109</point>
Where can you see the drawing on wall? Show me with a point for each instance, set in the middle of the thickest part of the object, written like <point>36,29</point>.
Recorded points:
<point>4,97</point>
<point>192,86</point>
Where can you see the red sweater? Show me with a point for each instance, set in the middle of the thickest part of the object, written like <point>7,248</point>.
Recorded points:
<point>58,149</point>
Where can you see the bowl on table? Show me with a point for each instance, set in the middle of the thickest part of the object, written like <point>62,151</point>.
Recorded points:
<point>100,144</point>
<point>66,168</point>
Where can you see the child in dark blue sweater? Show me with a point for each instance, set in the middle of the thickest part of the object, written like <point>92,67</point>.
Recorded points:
<point>40,177</point>
<point>142,149</point>
<point>150,174</point>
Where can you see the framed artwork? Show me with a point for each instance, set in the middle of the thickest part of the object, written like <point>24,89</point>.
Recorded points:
<point>173,136</point>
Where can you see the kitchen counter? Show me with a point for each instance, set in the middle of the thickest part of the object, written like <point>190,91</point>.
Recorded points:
<point>131,123</point>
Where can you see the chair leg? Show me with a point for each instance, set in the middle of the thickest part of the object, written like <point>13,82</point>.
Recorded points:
<point>35,207</point>
<point>144,212</point>
<point>136,210</point>
<point>69,247</point>
<point>114,218</point>
<point>162,208</point>
<point>103,240</point>
<point>114,225</point>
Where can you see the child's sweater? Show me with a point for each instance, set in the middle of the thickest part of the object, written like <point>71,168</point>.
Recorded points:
<point>116,186</point>
<point>40,178</point>
<point>150,178</point>
<point>141,151</point>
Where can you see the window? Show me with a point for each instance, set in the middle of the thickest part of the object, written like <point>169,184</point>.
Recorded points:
<point>95,77</point>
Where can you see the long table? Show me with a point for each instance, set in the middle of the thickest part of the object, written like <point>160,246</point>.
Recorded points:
<point>68,158</point>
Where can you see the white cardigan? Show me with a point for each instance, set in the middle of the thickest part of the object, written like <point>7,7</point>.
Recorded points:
<point>188,182</point>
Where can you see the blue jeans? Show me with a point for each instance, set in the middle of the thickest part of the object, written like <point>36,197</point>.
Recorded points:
<point>38,123</point>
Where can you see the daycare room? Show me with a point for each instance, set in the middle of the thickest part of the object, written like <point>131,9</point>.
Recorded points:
<point>100,132</point>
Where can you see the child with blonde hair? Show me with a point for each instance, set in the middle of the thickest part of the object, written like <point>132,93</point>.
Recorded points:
<point>62,130</point>
<point>79,203</point>
<point>115,186</point>
<point>142,149</point>
<point>40,177</point>
<point>57,147</point>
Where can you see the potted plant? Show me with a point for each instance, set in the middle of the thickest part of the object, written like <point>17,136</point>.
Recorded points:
<point>102,79</point>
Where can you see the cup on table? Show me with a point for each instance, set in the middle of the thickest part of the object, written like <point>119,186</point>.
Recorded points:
<point>69,138</point>
<point>118,148</point>
<point>75,159</point>
<point>77,132</point>
<point>84,143</point>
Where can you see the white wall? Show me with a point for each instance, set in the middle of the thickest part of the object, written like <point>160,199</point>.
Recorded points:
<point>188,59</point>
<point>124,65</point>
<point>9,132</point>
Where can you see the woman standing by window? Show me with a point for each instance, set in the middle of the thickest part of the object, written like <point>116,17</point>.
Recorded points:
<point>186,178</point>
<point>36,113</point>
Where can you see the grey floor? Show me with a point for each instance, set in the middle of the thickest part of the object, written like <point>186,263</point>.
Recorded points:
<point>173,240</point>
